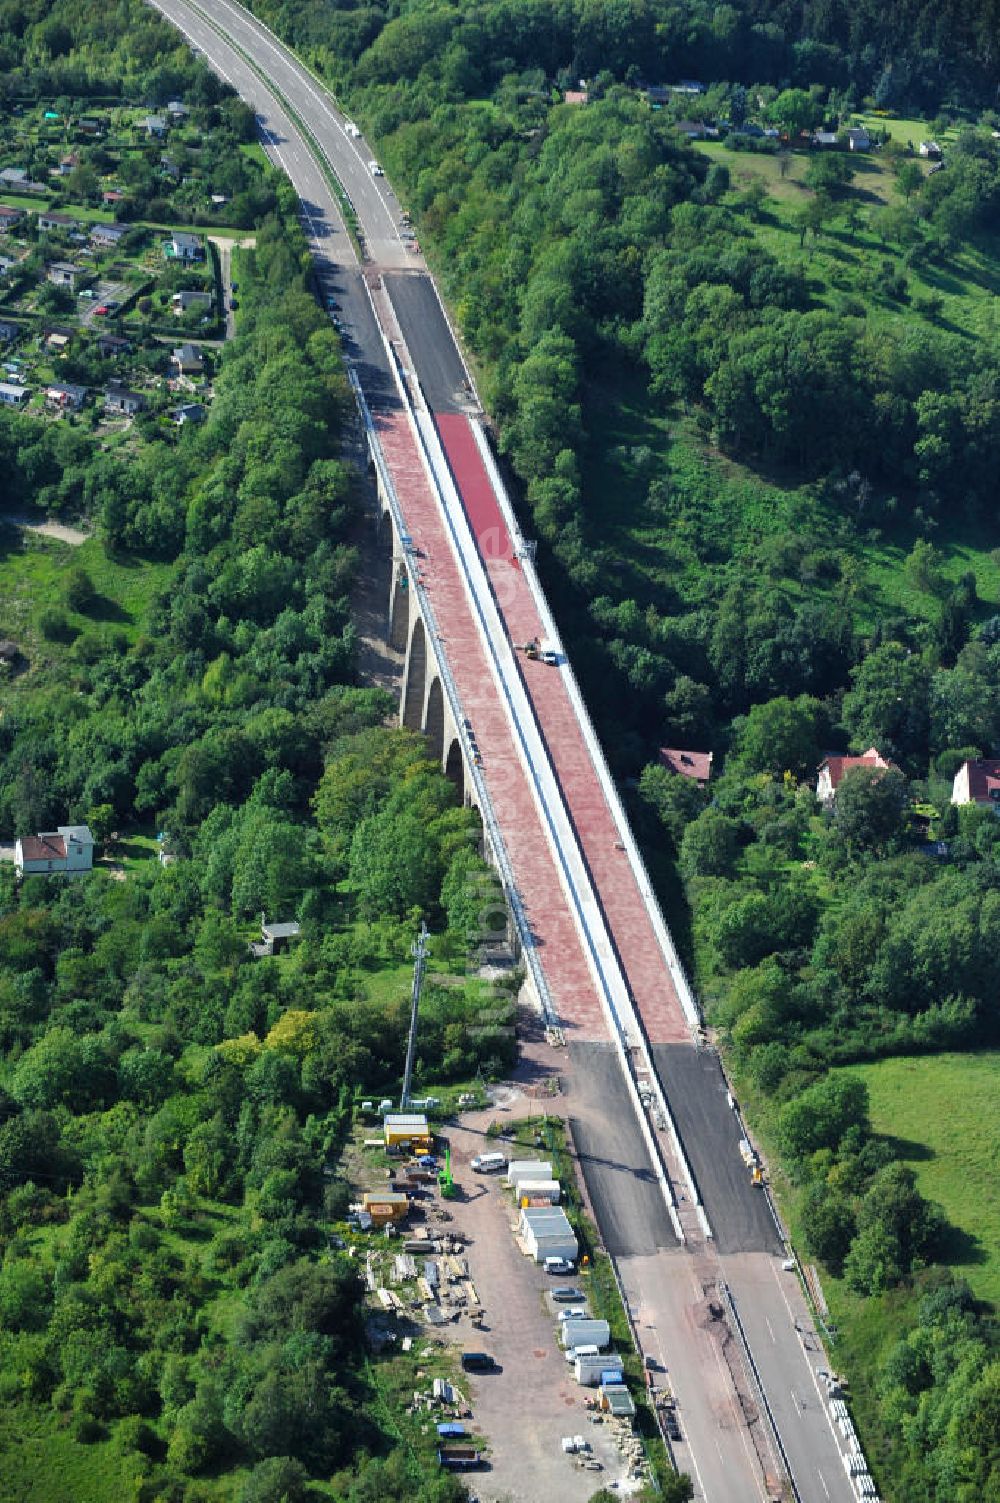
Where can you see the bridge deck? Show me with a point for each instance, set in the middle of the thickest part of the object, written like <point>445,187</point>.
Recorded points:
<point>559,946</point>
<point>624,906</point>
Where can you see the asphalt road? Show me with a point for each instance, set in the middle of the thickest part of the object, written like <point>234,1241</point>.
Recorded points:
<point>696,1090</point>
<point>623,1189</point>
<point>788,1354</point>
<point>429,340</point>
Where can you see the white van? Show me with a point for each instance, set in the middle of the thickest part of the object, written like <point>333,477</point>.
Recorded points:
<point>351,129</point>
<point>375,169</point>
<point>582,1351</point>
<point>489,1163</point>
<point>548,652</point>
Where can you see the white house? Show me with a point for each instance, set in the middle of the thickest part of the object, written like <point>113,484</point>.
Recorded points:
<point>118,398</point>
<point>58,223</point>
<point>68,849</point>
<point>978,782</point>
<point>185,247</point>
<point>833,768</point>
<point>13,396</point>
<point>63,273</point>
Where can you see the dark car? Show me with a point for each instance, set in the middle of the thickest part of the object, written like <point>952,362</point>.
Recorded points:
<point>567,1295</point>
<point>670,1424</point>
<point>478,1362</point>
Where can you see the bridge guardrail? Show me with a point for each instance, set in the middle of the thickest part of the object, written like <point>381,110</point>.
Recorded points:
<point>486,807</point>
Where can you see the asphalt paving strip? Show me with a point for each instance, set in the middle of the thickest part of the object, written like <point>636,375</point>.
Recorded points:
<point>696,1090</point>
<point>429,340</point>
<point>624,1191</point>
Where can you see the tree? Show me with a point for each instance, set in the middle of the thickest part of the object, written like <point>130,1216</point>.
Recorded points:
<point>79,591</point>
<point>813,215</point>
<point>782,735</point>
<point>393,866</point>
<point>829,1223</point>
<point>909,177</point>
<point>101,821</point>
<point>870,811</point>
<point>61,1071</point>
<point>198,1434</point>
<point>709,845</point>
<point>472,898</point>
<point>829,173</point>
<point>822,1115</point>
<point>676,800</point>
<point>279,1479</point>
<point>886,706</point>
<point>795,111</point>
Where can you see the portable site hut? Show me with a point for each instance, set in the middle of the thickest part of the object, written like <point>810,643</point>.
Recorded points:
<point>584,1332</point>
<point>546,1233</point>
<point>407,1130</point>
<point>591,1371</point>
<point>616,1400</point>
<point>533,1169</point>
<point>384,1206</point>
<point>540,1191</point>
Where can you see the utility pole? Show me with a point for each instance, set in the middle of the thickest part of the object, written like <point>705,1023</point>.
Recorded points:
<point>419,950</point>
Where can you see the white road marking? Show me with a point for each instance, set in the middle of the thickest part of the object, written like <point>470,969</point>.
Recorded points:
<point>822,1479</point>
<point>770,1330</point>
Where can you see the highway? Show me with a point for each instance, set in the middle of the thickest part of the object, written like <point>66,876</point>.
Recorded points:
<point>545,765</point>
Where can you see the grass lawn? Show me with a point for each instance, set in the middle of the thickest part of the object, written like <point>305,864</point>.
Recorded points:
<point>942,1113</point>
<point>40,1462</point>
<point>32,579</point>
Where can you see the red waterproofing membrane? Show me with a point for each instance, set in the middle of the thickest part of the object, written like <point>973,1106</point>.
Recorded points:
<point>547,909</point>
<point>625,910</point>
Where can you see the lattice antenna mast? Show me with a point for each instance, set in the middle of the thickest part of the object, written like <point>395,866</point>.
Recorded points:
<point>419,950</point>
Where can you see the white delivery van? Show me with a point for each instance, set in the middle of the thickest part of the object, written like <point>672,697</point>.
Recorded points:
<point>587,1350</point>
<point>489,1163</point>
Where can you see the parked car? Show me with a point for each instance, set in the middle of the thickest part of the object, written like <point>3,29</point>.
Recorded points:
<point>566,1294</point>
<point>558,1265</point>
<point>478,1362</point>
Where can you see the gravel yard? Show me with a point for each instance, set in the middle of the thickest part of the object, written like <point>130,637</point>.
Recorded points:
<point>526,1409</point>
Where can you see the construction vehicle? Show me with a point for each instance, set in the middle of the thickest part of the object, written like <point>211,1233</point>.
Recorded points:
<point>752,1162</point>
<point>540,649</point>
<point>446,1183</point>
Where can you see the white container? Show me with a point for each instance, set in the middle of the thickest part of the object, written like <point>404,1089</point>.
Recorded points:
<point>585,1332</point>
<point>519,1169</point>
<point>539,1189</point>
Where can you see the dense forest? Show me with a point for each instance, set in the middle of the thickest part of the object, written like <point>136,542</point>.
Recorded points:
<point>177,1320</point>
<point>752,407</point>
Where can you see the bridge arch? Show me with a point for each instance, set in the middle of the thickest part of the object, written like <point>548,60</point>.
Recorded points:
<point>399,606</point>
<point>415,679</point>
<point>454,767</point>
<point>434,720</point>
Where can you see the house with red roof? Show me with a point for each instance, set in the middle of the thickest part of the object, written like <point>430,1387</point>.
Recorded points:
<point>687,764</point>
<point>978,782</point>
<point>69,849</point>
<point>833,767</point>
